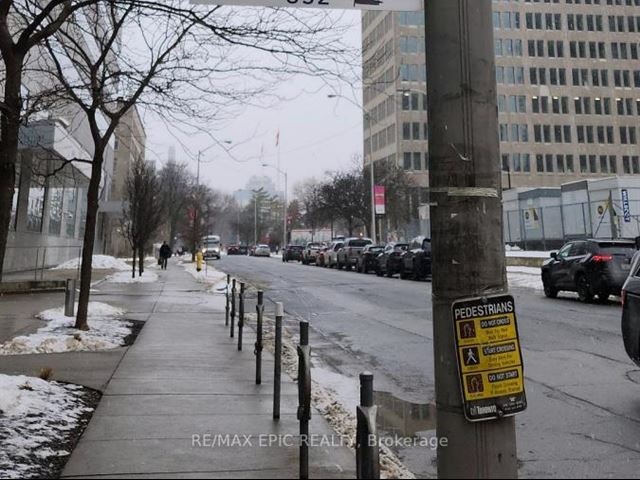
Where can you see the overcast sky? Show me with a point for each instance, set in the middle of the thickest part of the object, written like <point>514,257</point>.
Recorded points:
<point>316,134</point>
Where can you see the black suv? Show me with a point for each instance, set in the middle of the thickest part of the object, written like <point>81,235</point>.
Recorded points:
<point>390,262</point>
<point>369,258</point>
<point>416,262</point>
<point>292,252</point>
<point>589,267</point>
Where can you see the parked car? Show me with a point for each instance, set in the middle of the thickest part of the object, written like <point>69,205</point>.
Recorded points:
<point>233,250</point>
<point>390,262</point>
<point>416,262</point>
<point>292,253</point>
<point>262,251</point>
<point>311,252</point>
<point>323,256</point>
<point>369,258</point>
<point>244,250</point>
<point>589,267</point>
<point>631,311</point>
<point>331,257</point>
<point>350,252</point>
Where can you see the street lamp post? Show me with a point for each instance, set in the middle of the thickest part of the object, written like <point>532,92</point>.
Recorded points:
<point>284,212</point>
<point>196,228</point>
<point>367,118</point>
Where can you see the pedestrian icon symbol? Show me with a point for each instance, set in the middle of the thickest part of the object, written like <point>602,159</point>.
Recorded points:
<point>467,330</point>
<point>471,356</point>
<point>475,384</point>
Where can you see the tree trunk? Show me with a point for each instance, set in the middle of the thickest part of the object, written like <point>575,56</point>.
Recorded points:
<point>141,260</point>
<point>89,237</point>
<point>133,271</point>
<point>9,138</point>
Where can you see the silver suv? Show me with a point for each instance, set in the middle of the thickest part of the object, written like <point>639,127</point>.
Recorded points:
<point>350,252</point>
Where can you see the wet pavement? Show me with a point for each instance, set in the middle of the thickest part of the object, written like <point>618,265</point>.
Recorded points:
<point>183,388</point>
<point>583,418</point>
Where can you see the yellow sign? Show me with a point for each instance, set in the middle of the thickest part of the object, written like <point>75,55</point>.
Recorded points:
<point>489,358</point>
<point>500,383</point>
<point>496,328</point>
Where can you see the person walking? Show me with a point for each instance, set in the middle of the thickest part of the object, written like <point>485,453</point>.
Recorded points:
<point>165,253</point>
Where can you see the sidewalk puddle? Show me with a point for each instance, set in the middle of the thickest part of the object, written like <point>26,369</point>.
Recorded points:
<point>399,417</point>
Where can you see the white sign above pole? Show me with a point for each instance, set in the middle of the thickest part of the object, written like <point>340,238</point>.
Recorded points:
<point>395,5</point>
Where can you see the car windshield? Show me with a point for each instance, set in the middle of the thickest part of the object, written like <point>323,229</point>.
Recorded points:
<point>401,246</point>
<point>359,243</point>
<point>376,249</point>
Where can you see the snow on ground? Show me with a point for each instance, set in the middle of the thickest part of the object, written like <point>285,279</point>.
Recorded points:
<point>335,396</point>
<point>529,254</point>
<point>125,277</point>
<point>525,277</point>
<point>99,262</point>
<point>211,277</point>
<point>35,416</point>
<point>106,331</point>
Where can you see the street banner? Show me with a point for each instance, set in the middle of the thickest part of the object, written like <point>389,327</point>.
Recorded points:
<point>379,199</point>
<point>394,5</point>
<point>489,358</point>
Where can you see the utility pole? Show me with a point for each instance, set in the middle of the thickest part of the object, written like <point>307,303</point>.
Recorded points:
<point>466,212</point>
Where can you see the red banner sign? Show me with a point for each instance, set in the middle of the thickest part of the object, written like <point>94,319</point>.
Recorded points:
<point>379,199</point>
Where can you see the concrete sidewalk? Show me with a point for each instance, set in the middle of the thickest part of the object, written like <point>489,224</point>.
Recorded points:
<point>184,379</point>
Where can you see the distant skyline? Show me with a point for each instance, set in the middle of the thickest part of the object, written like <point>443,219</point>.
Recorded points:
<point>316,134</point>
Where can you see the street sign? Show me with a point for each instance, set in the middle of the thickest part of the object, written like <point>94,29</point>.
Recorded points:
<point>489,358</point>
<point>379,198</point>
<point>395,5</point>
<point>626,208</point>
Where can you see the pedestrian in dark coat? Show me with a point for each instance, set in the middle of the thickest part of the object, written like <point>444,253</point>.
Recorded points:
<point>165,253</point>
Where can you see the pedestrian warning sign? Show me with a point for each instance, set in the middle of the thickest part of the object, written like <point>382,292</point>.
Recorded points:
<point>489,357</point>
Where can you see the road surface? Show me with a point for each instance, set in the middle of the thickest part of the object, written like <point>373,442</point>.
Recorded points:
<point>583,418</point>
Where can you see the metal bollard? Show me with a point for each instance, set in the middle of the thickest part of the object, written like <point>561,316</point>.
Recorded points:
<point>69,297</point>
<point>304,397</point>
<point>258,346</point>
<point>367,451</point>
<point>233,307</point>
<point>227,306</point>
<point>240,315</point>
<point>277,373</point>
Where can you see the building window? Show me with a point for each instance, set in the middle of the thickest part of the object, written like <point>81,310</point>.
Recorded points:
<point>69,211</point>
<point>407,161</point>
<point>35,208</point>
<point>417,161</point>
<point>56,196</point>
<point>14,202</point>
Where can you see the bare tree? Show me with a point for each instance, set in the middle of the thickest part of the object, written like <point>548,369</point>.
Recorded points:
<point>178,57</point>
<point>176,184</point>
<point>142,213</point>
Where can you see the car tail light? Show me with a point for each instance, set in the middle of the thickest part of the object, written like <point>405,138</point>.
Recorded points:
<point>602,258</point>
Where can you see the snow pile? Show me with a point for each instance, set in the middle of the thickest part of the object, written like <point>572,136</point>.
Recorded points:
<point>106,331</point>
<point>99,262</point>
<point>35,416</point>
<point>529,254</point>
<point>512,248</point>
<point>215,279</point>
<point>525,277</point>
<point>340,417</point>
<point>125,277</point>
